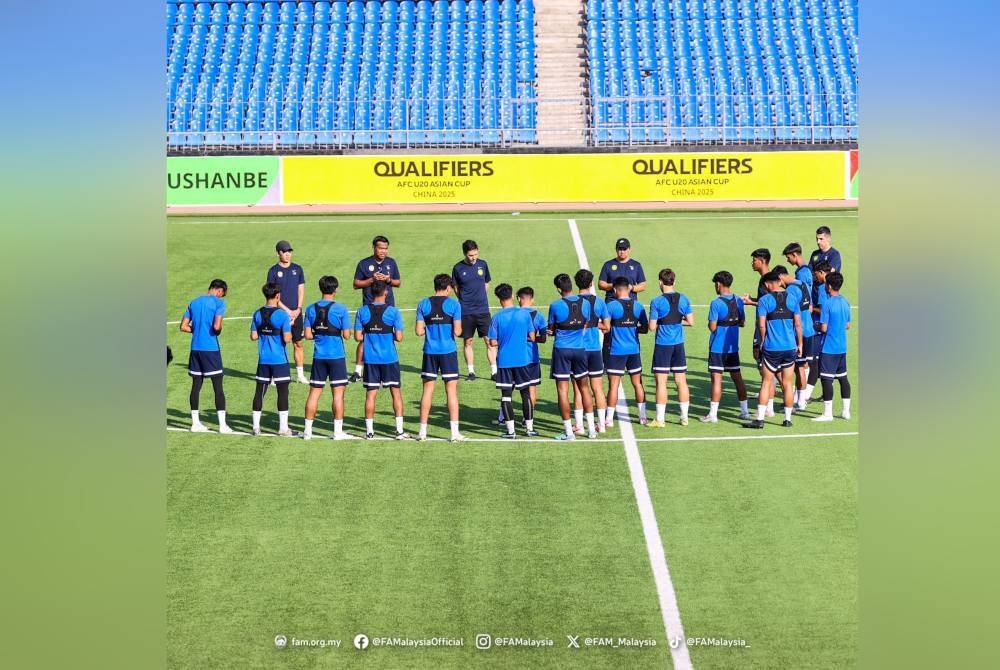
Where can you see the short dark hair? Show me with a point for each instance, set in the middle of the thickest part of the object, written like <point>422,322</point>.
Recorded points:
<point>328,284</point>
<point>468,246</point>
<point>379,287</point>
<point>442,281</point>
<point>793,248</point>
<point>563,282</point>
<point>270,290</point>
<point>823,266</point>
<point>770,277</point>
<point>504,291</point>
<point>620,281</point>
<point>761,253</point>
<point>525,291</point>
<point>379,238</point>
<point>584,278</point>
<point>779,270</point>
<point>219,283</point>
<point>668,276</point>
<point>723,277</point>
<point>835,280</point>
<point>823,230</point>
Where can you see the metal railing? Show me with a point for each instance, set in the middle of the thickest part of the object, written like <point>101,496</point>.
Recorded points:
<point>442,122</point>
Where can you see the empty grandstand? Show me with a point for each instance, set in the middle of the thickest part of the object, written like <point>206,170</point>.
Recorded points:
<point>351,75</point>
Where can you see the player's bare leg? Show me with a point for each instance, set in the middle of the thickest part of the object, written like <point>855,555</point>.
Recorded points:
<point>788,388</point>
<point>562,393</point>
<point>370,395</point>
<point>588,406</point>
<point>312,401</point>
<point>298,352</point>
<point>600,402</point>
<point>714,399</point>
<point>337,406</point>
<point>359,361</point>
<point>451,394</point>
<point>425,407</point>
<point>397,410</point>
<point>470,355</point>
<point>683,395</point>
<point>765,396</point>
<point>661,400</point>
<point>640,397</point>
<point>577,407</point>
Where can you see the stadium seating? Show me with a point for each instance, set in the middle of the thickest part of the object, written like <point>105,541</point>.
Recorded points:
<point>350,73</point>
<point>722,70</point>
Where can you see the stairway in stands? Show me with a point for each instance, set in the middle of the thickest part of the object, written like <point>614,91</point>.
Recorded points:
<point>561,72</point>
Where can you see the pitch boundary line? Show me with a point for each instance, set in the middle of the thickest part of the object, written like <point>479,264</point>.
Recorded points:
<point>647,515</point>
<point>307,218</point>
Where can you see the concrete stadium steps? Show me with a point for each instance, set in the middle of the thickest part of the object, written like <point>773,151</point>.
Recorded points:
<point>561,66</point>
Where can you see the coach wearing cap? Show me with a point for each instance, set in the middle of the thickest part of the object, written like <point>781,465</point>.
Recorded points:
<point>292,279</point>
<point>622,265</point>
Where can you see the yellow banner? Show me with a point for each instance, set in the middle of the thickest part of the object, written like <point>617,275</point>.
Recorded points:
<point>488,178</point>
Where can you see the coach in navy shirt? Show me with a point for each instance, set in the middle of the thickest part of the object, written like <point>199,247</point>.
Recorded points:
<point>291,279</point>
<point>378,266</point>
<point>825,251</point>
<point>622,265</point>
<point>471,276</point>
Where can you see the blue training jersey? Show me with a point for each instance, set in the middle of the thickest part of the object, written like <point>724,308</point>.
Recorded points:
<point>796,289</point>
<point>804,274</point>
<point>625,337</point>
<point>819,296</point>
<point>659,309</point>
<point>836,315</point>
<point>328,347</point>
<point>511,327</point>
<point>201,312</point>
<point>592,336</point>
<point>271,348</point>
<point>538,321</point>
<point>379,333</point>
<point>726,338</point>
<point>780,335</point>
<point>559,313</point>
<point>439,336</point>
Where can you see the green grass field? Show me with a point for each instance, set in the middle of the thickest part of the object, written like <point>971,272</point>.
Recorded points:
<point>537,539</point>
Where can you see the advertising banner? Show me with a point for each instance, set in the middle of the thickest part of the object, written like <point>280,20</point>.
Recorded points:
<point>224,180</point>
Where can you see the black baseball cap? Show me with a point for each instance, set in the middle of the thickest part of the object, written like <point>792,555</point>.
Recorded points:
<point>283,245</point>
<point>623,243</point>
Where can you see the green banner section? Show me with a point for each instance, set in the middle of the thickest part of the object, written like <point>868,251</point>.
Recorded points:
<point>223,180</point>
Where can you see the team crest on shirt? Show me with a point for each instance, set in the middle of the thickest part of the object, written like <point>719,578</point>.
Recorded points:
<point>371,268</point>
<point>614,267</point>
<point>631,267</point>
<point>280,274</point>
<point>479,272</point>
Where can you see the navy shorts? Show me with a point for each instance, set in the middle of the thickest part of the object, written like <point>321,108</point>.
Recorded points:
<point>380,374</point>
<point>832,365</point>
<point>517,378</point>
<point>620,364</point>
<point>475,323</point>
<point>205,363</point>
<point>568,363</point>
<point>724,362</point>
<point>536,373</point>
<point>445,365</point>
<point>297,330</point>
<point>817,344</point>
<point>595,363</point>
<point>277,373</point>
<point>669,358</point>
<point>333,369</point>
<point>808,350</point>
<point>778,360</point>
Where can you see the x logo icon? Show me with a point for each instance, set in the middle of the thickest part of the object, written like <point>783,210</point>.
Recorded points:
<point>573,642</point>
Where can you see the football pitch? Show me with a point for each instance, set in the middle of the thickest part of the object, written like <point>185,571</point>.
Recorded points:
<point>533,539</point>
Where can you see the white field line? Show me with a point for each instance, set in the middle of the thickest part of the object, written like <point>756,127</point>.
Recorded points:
<point>418,217</point>
<point>650,529</point>
<point>317,437</point>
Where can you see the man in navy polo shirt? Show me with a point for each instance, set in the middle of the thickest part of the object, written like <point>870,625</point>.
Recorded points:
<point>327,324</point>
<point>509,332</point>
<point>669,313</point>
<point>622,265</point>
<point>203,319</point>
<point>291,279</point>
<point>379,326</point>
<point>472,281</point>
<point>377,267</point>
<point>780,327</point>
<point>568,318</point>
<point>439,322</point>
<point>825,250</point>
